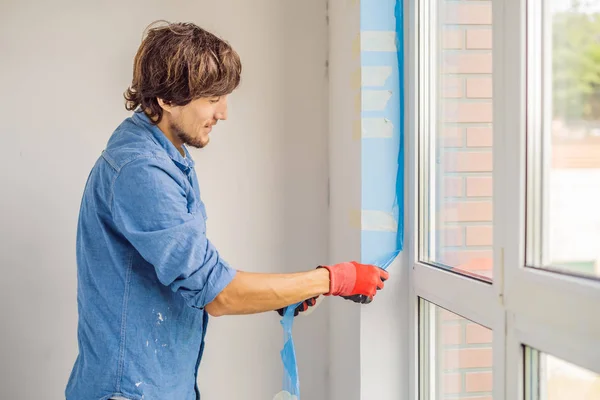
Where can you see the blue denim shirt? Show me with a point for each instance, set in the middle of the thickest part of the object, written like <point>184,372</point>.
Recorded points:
<point>145,271</point>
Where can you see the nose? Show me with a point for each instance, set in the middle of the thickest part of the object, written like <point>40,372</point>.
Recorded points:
<point>221,113</point>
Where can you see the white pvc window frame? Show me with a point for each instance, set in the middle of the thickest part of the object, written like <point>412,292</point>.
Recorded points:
<point>550,312</point>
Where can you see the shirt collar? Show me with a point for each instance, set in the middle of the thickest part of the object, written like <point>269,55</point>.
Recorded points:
<point>184,163</point>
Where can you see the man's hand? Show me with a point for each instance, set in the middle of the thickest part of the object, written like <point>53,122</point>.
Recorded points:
<point>301,307</point>
<point>355,281</point>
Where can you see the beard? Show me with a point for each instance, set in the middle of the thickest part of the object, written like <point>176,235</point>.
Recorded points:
<point>186,138</point>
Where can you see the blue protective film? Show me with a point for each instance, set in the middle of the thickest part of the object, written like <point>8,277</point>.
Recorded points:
<point>383,157</point>
<point>291,383</point>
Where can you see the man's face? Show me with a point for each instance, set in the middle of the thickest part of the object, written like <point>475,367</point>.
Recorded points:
<point>192,123</point>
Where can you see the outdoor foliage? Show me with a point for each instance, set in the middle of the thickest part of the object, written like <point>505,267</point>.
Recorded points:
<point>576,64</point>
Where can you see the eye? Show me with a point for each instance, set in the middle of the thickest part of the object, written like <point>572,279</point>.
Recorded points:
<point>215,100</point>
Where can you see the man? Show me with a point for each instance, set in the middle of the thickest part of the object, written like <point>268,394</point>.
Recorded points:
<point>148,277</point>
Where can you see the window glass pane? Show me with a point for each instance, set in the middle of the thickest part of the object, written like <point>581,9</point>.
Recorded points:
<point>455,356</point>
<point>550,378</point>
<point>571,139</point>
<point>457,162</point>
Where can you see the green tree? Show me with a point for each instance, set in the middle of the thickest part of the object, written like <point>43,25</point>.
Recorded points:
<point>576,64</point>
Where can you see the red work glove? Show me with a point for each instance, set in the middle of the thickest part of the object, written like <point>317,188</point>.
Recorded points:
<point>354,281</point>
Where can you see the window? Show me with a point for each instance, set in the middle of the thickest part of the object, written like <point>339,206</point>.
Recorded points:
<point>550,378</point>
<point>505,198</point>
<point>564,136</point>
<point>457,152</point>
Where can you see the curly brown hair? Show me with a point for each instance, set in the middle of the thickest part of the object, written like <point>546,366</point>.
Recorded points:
<point>180,62</point>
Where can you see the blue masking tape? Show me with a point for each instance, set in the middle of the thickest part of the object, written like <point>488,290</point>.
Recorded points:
<point>399,12</point>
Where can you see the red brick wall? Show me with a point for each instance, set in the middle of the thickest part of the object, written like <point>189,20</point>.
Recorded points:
<point>465,137</point>
<point>465,132</point>
<point>465,358</point>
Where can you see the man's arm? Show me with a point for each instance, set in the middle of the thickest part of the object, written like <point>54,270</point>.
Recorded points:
<point>250,293</point>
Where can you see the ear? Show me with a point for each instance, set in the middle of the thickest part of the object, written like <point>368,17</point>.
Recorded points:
<point>166,106</point>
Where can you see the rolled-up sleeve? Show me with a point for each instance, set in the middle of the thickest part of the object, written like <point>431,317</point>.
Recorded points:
<point>150,208</point>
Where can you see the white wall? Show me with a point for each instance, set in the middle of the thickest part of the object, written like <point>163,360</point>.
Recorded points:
<point>345,174</point>
<point>64,65</point>
<point>306,212</point>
